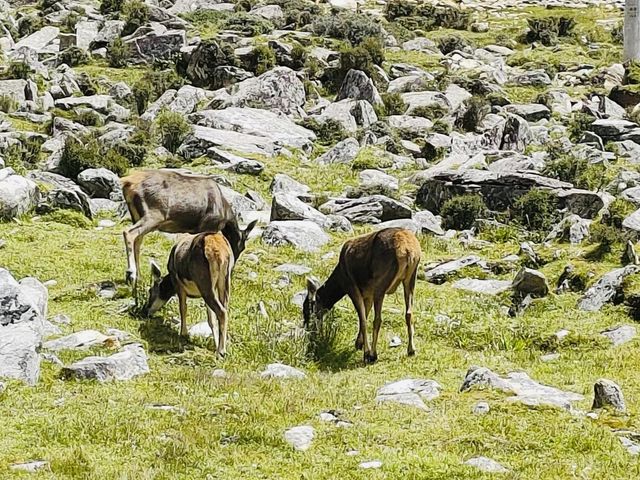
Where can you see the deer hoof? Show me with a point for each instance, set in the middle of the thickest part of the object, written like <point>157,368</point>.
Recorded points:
<point>411,353</point>
<point>359,343</point>
<point>130,277</point>
<point>370,358</point>
<point>222,355</point>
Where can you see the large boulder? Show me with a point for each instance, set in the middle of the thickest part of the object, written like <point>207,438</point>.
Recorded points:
<point>18,195</point>
<point>373,209</point>
<point>343,152</point>
<point>202,138</point>
<point>302,234</point>
<point>22,317</point>
<point>358,86</point>
<point>100,183</point>
<point>40,40</point>
<point>15,89</point>
<point>130,362</point>
<point>605,289</point>
<point>159,43</point>
<point>350,114</point>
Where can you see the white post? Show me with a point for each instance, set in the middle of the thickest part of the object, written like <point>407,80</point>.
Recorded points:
<point>632,30</point>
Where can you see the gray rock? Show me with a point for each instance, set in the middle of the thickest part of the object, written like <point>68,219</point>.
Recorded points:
<point>300,438</point>
<point>531,112</point>
<point>605,289</point>
<point>409,392</point>
<point>302,234</point>
<point>201,330</point>
<point>99,103</point>
<point>358,86</point>
<point>440,273</point>
<point>108,33</point>
<point>373,182</point>
<point>82,340</point>
<point>39,40</point>
<point>414,126</point>
<point>291,268</point>
<point>530,282</point>
<point>526,390</point>
<point>32,466</point>
<point>632,222</point>
<point>370,465</point>
<point>428,222</point>
<point>130,362</point>
<point>532,78</point>
<point>287,206</point>
<point>86,33</point>
<point>15,89</point>
<point>486,287</point>
<point>279,370</point>
<point>270,12</point>
<point>481,408</point>
<point>18,195</point>
<point>630,257</point>
<point>202,138</point>
<point>485,464</point>
<point>608,394</point>
<point>283,183</point>
<point>572,228</point>
<point>351,114</point>
<point>344,152</point>
<point>158,44</point>
<point>611,129</point>
<point>100,183</point>
<point>373,209</point>
<point>632,445</point>
<point>416,100</point>
<point>620,335</point>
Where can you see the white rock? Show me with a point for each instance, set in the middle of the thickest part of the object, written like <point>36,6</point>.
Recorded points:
<point>300,437</point>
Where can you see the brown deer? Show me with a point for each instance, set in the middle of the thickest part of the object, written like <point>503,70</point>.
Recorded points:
<point>370,267</point>
<point>199,267</point>
<point>173,202</point>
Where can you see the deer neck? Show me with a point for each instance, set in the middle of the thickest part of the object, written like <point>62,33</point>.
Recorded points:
<point>333,289</point>
<point>232,233</point>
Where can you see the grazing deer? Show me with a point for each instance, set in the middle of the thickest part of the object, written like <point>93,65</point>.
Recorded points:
<point>173,202</point>
<point>370,267</point>
<point>199,267</point>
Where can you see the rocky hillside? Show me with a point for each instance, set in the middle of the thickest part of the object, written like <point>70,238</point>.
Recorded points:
<point>505,134</point>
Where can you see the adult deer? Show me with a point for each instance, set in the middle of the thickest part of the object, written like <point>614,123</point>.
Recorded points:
<point>370,267</point>
<point>173,202</point>
<point>199,267</point>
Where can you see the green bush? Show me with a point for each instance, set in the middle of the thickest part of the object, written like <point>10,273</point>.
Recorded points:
<point>172,128</point>
<point>111,6</point>
<point>298,56</point>
<point>461,212</point>
<point>580,172</point>
<point>153,84</point>
<point>617,212</point>
<point>432,112</point>
<point>536,210</point>
<point>249,24</point>
<point>73,56</point>
<point>476,109</point>
<point>29,24</point>
<point>452,43</point>
<point>617,34</point>
<point>118,53</point>
<point>606,237</point>
<point>421,16</point>
<point>547,30</point>
<point>24,155</point>
<point>264,58</point>
<point>136,14</point>
<point>80,155</point>
<point>90,118</point>
<point>69,23</point>
<point>578,124</point>
<point>7,104</point>
<point>353,27</point>
<point>68,217</point>
<point>298,13</point>
<point>394,104</point>
<point>18,70</point>
<point>328,132</point>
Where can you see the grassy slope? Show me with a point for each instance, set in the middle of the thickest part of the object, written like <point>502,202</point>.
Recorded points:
<point>232,428</point>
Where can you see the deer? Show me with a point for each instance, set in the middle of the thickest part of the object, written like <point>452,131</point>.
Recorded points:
<point>173,202</point>
<point>370,266</point>
<point>199,266</point>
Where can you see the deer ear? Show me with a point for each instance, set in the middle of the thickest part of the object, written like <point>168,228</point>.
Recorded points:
<point>250,227</point>
<point>312,287</point>
<point>155,270</point>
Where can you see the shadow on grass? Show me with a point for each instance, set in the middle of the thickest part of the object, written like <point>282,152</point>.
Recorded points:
<point>161,337</point>
<point>324,346</point>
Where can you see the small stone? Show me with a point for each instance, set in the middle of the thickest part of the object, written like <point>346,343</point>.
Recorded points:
<point>107,290</point>
<point>550,357</point>
<point>200,330</point>
<point>481,408</point>
<point>31,467</point>
<point>395,341</point>
<point>372,464</point>
<point>485,464</point>
<point>608,394</point>
<point>51,358</point>
<point>61,319</point>
<point>352,453</point>
<point>279,370</point>
<point>3,387</point>
<point>620,335</point>
<point>300,438</point>
<point>409,392</point>
<point>219,373</point>
<point>167,408</point>
<point>106,224</point>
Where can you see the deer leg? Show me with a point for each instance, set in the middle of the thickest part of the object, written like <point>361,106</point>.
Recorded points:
<point>377,322</point>
<point>408,288</point>
<point>359,305</point>
<point>182,300</point>
<point>132,242</point>
<point>360,337</point>
<point>212,302</point>
<point>214,327</point>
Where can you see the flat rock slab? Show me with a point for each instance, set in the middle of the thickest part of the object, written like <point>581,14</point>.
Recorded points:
<point>526,390</point>
<point>300,438</point>
<point>487,287</point>
<point>486,465</point>
<point>130,362</point>
<point>293,269</point>
<point>620,335</point>
<point>409,392</point>
<point>31,467</point>
<point>440,273</point>
<point>280,370</point>
<point>605,289</point>
<point>79,341</point>
<point>370,465</point>
<point>302,234</point>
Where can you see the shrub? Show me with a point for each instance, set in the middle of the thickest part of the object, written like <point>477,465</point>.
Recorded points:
<point>249,24</point>
<point>23,155</point>
<point>69,23</point>
<point>89,118</point>
<point>617,34</point>
<point>579,171</point>
<point>476,109</point>
<point>578,124</point>
<point>80,155</point>
<point>536,210</point>
<point>68,217</point>
<point>297,12</point>
<point>143,91</point>
<point>172,128</point>
<point>452,43</point>
<point>298,56</point>
<point>117,53</point>
<point>617,212</point>
<point>7,104</point>
<point>87,84</point>
<point>442,127</point>
<point>29,24</point>
<point>375,48</point>
<point>111,6</point>
<point>433,112</point>
<point>152,85</point>
<point>135,13</point>
<point>427,17</point>
<point>73,56</point>
<point>606,237</point>
<point>347,26</point>
<point>394,104</point>
<point>18,70</point>
<point>264,58</point>
<point>462,211</point>
<point>328,132</point>
<point>547,30</point>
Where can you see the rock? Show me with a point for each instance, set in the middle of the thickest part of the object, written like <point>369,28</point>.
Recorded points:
<point>18,195</point>
<point>395,341</point>
<point>351,114</point>
<point>202,138</point>
<point>526,390</point>
<point>283,183</point>
<point>15,89</point>
<point>532,78</point>
<point>620,335</point>
<point>293,269</point>
<point>278,129</point>
<point>99,103</point>
<point>428,222</point>
<point>79,341</point>
<point>130,362</point>
<point>409,392</point>
<point>22,314</point>
<point>440,273</point>
<point>286,206</point>
<point>531,112</point>
<point>630,257</point>
<point>530,282</point>
<point>572,228</point>
<point>39,40</point>
<point>633,447</point>
<point>344,4</point>
<point>358,86</point>
<point>60,319</point>
<point>279,370</point>
<point>100,183</point>
<point>300,438</point>
<point>481,408</point>
<point>344,152</point>
<point>605,289</point>
<point>608,394</point>
<point>370,465</point>
<point>408,125</point>
<point>373,182</point>
<point>611,129</point>
<point>373,209</point>
<point>32,466</point>
<point>486,287</point>
<point>278,90</point>
<point>486,465</point>
<point>158,44</point>
<point>418,100</point>
<point>302,234</point>
<point>108,33</point>
<point>270,12</point>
